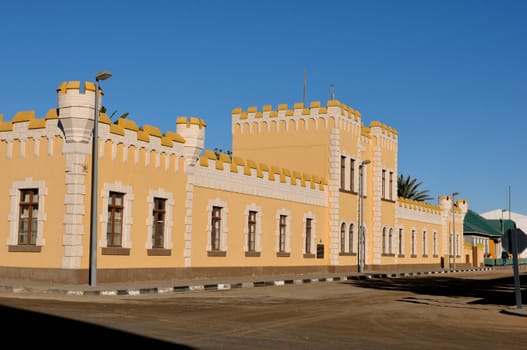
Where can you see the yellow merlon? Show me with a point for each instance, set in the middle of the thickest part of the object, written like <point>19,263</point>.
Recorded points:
<point>37,124</point>
<point>417,205</point>
<point>52,114</point>
<point>267,110</point>
<point>174,136</point>
<point>127,124</point>
<point>152,130</point>
<point>116,129</point>
<point>286,176</point>
<point>24,116</point>
<point>191,121</point>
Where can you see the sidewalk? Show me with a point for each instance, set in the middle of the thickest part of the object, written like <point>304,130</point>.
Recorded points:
<point>159,287</point>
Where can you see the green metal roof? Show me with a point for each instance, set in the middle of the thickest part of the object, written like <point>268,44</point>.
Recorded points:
<point>475,224</point>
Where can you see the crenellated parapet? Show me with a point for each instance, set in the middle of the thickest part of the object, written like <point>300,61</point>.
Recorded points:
<point>25,120</point>
<point>73,119</point>
<point>408,209</point>
<point>419,206</point>
<point>333,114</point>
<point>237,165</point>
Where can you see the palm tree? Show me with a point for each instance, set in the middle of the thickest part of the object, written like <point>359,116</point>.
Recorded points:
<point>217,151</point>
<point>408,188</point>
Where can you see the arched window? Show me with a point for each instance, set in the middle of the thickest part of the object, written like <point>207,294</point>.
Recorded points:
<point>390,241</point>
<point>413,243</point>
<point>384,240</point>
<point>351,238</point>
<point>425,243</point>
<point>401,251</point>
<point>343,238</point>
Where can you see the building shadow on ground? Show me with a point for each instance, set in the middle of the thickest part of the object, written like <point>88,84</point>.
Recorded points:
<point>39,329</point>
<point>498,291</point>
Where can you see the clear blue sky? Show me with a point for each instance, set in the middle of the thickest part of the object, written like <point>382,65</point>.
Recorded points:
<point>449,76</point>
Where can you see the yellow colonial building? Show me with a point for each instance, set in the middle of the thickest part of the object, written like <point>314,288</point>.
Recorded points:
<point>285,202</point>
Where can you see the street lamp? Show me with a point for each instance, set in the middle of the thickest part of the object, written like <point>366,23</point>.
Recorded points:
<point>360,205</point>
<point>103,75</point>
<point>501,221</point>
<point>454,230</point>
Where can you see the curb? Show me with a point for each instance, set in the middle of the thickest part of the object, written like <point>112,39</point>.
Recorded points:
<point>226,286</point>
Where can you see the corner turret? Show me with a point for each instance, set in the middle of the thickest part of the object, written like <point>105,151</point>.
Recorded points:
<point>193,131</point>
<point>76,110</point>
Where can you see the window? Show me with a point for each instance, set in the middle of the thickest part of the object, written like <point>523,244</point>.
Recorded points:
<point>308,235</point>
<point>435,243</point>
<point>158,225</point>
<point>343,238</point>
<point>384,238</point>
<point>401,252</point>
<point>282,234</point>
<point>251,231</point>
<point>352,175</point>
<point>391,185</point>
<point>425,243</point>
<point>115,219</point>
<point>383,183</point>
<point>351,238</point>
<point>342,172</point>
<point>28,214</point>
<point>216,229</point>
<point>390,240</point>
<point>413,242</point>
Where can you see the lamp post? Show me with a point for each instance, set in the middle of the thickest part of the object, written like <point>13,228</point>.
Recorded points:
<point>360,205</point>
<point>454,230</point>
<point>502,226</point>
<point>103,75</point>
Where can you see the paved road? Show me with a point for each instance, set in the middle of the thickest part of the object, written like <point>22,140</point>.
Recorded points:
<point>459,311</point>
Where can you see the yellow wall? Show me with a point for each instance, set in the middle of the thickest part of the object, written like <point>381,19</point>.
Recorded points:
<point>237,222</point>
<point>143,177</point>
<point>41,167</point>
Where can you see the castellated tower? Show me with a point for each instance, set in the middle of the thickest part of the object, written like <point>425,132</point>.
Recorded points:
<point>193,131</point>
<point>76,112</point>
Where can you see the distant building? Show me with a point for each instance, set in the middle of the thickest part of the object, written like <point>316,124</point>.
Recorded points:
<point>503,214</point>
<point>286,201</point>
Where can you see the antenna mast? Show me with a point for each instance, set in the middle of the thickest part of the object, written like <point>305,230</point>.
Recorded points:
<point>305,85</point>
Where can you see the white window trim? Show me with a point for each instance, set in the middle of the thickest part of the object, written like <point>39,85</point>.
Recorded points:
<point>127,213</point>
<point>287,230</point>
<point>13,216</point>
<point>224,231</point>
<point>351,245</point>
<point>258,233</point>
<point>346,238</point>
<point>425,241</point>
<point>311,216</point>
<point>413,241</point>
<point>390,240</point>
<point>400,240</point>
<point>169,223</point>
<point>435,243</point>
<point>384,247</point>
